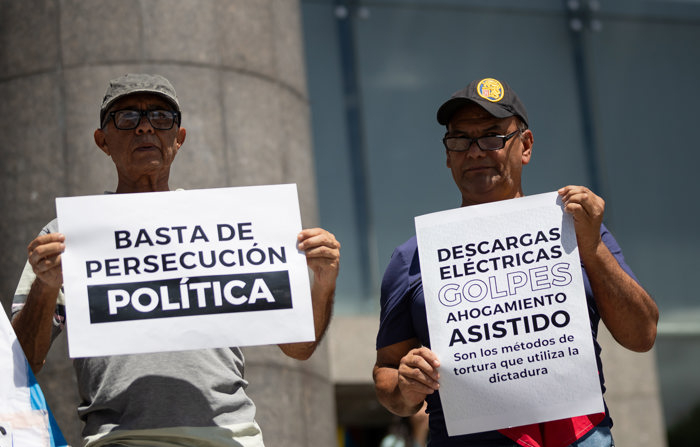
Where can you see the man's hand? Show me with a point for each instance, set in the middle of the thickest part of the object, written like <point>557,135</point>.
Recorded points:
<point>44,255</point>
<point>418,374</point>
<point>587,210</point>
<point>404,374</point>
<point>322,254</point>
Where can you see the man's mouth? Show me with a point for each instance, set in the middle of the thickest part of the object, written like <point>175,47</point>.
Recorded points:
<point>478,168</point>
<point>147,147</point>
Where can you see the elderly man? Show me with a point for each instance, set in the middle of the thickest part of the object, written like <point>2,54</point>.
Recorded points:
<point>161,399</point>
<point>487,144</point>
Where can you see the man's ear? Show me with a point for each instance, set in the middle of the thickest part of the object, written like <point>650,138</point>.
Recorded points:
<point>179,139</point>
<point>528,140</point>
<point>101,141</point>
<point>181,134</point>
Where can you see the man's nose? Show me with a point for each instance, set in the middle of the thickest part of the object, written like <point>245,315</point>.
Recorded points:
<point>474,151</point>
<point>144,126</point>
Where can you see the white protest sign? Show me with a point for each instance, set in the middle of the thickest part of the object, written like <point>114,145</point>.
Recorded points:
<point>184,270</point>
<point>507,314</point>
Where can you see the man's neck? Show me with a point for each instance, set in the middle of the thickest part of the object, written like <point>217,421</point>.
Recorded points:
<point>144,184</point>
<point>466,202</point>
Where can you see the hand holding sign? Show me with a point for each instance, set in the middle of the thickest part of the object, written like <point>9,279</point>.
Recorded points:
<point>322,254</point>
<point>418,374</point>
<point>44,255</point>
<point>405,373</point>
<point>587,210</point>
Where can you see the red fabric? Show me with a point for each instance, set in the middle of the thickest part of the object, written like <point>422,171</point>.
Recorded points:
<point>559,433</point>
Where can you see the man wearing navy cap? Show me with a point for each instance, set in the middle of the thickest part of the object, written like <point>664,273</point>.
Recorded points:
<point>163,399</point>
<point>487,144</point>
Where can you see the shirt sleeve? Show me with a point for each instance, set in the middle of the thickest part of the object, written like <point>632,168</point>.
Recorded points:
<point>616,251</point>
<point>396,323</point>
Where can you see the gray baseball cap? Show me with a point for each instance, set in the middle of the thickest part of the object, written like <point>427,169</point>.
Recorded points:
<point>138,83</point>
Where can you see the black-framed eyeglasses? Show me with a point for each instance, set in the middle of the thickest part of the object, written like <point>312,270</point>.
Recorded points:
<point>128,119</point>
<point>487,143</point>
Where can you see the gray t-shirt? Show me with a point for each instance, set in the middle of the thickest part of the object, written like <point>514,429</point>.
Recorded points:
<point>197,388</point>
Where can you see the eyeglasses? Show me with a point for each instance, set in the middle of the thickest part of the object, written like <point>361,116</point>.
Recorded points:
<point>128,119</point>
<point>487,143</point>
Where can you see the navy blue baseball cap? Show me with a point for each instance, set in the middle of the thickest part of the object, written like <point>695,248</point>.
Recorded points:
<point>496,97</point>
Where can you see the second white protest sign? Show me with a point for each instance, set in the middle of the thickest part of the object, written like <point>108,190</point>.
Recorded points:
<point>507,314</point>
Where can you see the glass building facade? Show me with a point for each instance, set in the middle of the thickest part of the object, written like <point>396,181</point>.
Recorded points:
<point>611,89</point>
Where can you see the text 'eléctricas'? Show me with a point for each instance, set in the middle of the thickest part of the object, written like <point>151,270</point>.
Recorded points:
<point>501,276</point>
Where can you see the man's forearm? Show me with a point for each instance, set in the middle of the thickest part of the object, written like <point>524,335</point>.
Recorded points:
<point>322,298</point>
<point>34,322</point>
<point>322,303</point>
<point>627,310</point>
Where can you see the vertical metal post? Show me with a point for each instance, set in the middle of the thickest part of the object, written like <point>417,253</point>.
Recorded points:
<point>580,17</point>
<point>345,19</point>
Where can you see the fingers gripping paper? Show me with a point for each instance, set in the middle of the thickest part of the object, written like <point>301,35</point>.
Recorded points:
<point>507,314</point>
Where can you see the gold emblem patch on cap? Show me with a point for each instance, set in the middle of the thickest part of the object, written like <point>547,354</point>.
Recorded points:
<point>490,89</point>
